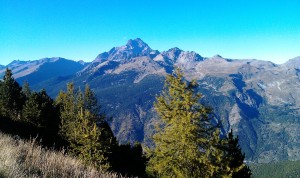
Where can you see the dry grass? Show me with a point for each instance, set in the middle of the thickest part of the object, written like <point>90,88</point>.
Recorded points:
<point>20,158</point>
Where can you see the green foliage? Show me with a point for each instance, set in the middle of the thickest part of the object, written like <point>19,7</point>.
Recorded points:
<point>11,96</point>
<point>232,161</point>
<point>236,157</point>
<point>89,141</point>
<point>90,101</point>
<point>39,110</point>
<point>28,114</point>
<point>26,89</point>
<point>183,137</point>
<point>187,144</point>
<point>86,141</point>
<point>68,104</point>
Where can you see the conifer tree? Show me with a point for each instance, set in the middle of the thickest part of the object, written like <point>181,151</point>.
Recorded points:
<point>84,127</point>
<point>39,110</point>
<point>183,140</point>
<point>90,101</point>
<point>218,157</point>
<point>235,157</point>
<point>68,108</point>
<point>86,144</point>
<point>26,89</point>
<point>187,144</point>
<point>32,111</point>
<point>11,97</point>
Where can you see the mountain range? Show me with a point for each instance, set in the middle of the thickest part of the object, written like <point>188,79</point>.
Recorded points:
<point>258,100</point>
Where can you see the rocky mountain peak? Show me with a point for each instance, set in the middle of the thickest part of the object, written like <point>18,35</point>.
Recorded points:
<point>136,44</point>
<point>136,47</point>
<point>17,62</point>
<point>133,48</point>
<point>293,63</point>
<point>217,56</point>
<point>176,56</point>
<point>174,52</point>
<point>175,49</point>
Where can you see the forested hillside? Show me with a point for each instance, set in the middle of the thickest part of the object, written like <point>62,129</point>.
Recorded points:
<point>258,100</point>
<point>73,122</point>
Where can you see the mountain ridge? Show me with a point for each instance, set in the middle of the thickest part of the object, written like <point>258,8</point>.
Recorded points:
<point>42,69</point>
<point>258,99</point>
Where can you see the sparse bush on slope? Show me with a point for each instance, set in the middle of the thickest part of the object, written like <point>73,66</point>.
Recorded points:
<point>20,158</point>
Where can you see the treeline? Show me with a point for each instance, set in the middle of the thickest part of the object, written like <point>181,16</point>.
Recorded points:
<point>186,143</point>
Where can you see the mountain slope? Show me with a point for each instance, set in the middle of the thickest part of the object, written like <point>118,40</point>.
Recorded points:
<point>276,170</point>
<point>259,100</point>
<point>21,158</point>
<point>40,70</point>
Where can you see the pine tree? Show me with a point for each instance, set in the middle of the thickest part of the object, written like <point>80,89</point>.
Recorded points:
<point>11,97</point>
<point>86,144</point>
<point>26,89</point>
<point>40,111</point>
<point>228,159</point>
<point>66,101</point>
<point>235,157</point>
<point>32,111</point>
<point>90,101</point>
<point>183,139</point>
<point>218,157</point>
<point>84,128</point>
<point>187,144</point>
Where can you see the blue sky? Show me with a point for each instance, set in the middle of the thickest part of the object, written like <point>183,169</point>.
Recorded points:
<point>80,30</point>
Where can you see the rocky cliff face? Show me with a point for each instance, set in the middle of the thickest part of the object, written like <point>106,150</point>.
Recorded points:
<point>259,100</point>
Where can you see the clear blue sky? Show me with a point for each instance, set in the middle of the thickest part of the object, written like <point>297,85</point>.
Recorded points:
<point>81,29</point>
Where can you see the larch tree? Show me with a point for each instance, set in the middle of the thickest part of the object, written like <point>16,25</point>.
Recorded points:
<point>183,137</point>
<point>187,144</point>
<point>83,127</point>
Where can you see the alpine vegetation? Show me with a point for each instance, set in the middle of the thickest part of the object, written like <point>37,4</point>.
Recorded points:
<point>187,144</point>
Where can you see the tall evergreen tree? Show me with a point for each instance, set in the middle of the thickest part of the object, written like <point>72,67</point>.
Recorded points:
<point>26,89</point>
<point>183,138</point>
<point>39,110</point>
<point>235,157</point>
<point>90,101</point>
<point>11,97</point>
<point>187,144</point>
<point>87,143</point>
<point>67,102</point>
<point>84,128</point>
